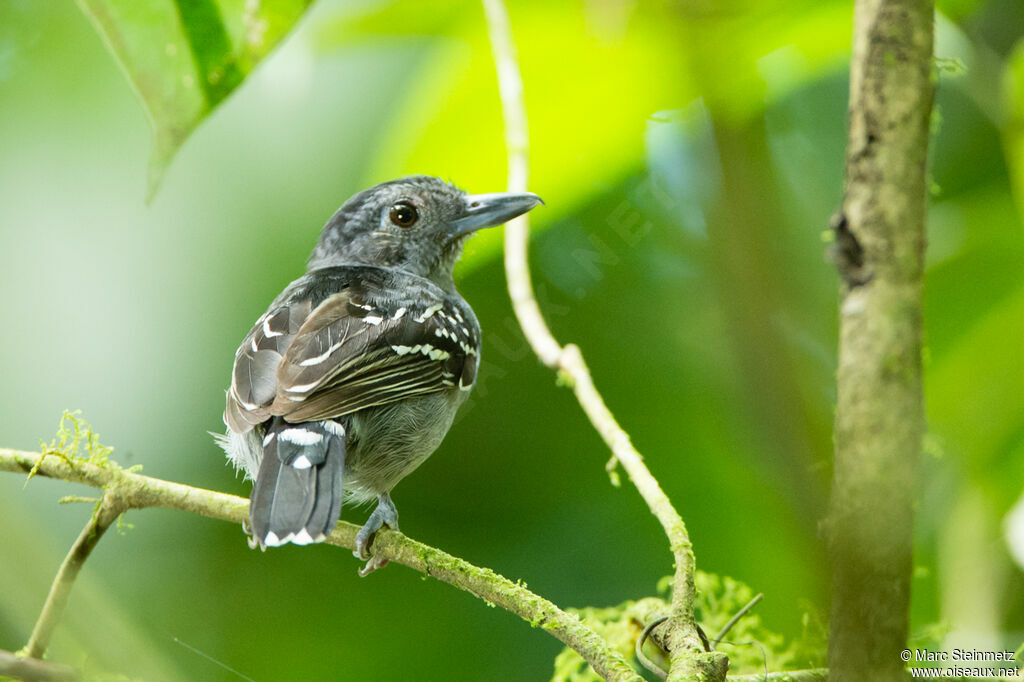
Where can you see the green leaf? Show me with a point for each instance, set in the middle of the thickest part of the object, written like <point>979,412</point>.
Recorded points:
<point>184,57</point>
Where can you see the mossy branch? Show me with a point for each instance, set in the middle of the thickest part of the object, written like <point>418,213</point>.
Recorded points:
<point>688,659</point>
<point>125,490</point>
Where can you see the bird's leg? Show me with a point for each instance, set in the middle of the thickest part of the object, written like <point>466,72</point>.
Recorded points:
<point>384,514</point>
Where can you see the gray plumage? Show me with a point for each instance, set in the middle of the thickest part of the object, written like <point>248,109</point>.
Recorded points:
<point>352,377</point>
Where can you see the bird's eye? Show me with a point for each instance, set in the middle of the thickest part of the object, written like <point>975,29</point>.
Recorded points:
<point>404,214</point>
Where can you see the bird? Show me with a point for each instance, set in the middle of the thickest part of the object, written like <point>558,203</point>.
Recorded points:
<point>352,377</point>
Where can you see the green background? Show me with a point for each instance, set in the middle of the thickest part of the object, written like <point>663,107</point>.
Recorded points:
<point>690,155</point>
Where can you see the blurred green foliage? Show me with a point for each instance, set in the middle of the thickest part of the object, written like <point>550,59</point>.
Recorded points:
<point>690,154</point>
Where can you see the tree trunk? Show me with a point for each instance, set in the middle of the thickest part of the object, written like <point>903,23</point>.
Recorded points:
<point>880,415</point>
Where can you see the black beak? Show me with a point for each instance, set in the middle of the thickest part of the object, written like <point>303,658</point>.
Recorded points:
<point>488,210</point>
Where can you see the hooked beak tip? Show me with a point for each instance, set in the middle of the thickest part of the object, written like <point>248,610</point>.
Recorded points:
<point>489,210</point>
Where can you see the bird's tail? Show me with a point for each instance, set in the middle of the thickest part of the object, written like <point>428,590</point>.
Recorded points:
<point>298,490</point>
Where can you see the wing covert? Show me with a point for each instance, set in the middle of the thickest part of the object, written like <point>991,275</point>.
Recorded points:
<point>351,354</point>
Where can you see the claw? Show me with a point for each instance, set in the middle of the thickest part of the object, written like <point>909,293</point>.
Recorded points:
<point>372,565</point>
<point>362,550</point>
<point>250,538</point>
<point>384,515</point>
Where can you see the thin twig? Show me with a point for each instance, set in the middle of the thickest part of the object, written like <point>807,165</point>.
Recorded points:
<point>135,491</point>
<point>682,637</point>
<point>736,618</point>
<point>57,600</point>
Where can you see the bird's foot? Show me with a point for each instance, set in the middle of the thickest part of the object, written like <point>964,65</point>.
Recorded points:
<point>384,515</point>
<point>250,538</point>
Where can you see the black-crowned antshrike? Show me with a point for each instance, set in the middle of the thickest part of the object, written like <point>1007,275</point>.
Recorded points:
<point>352,377</point>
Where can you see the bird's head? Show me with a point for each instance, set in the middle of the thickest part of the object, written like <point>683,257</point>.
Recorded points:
<point>417,224</point>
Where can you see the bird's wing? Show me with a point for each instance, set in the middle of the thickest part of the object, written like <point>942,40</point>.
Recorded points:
<point>254,378</point>
<point>350,354</point>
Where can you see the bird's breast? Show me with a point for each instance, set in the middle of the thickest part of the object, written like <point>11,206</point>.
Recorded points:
<point>387,443</point>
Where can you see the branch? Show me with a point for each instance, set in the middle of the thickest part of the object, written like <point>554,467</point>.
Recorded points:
<point>126,490</point>
<point>21,668</point>
<point>109,508</point>
<point>688,659</point>
<point>879,411</point>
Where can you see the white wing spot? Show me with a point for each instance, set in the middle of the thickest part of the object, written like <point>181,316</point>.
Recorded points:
<point>301,388</point>
<point>323,356</point>
<point>401,350</point>
<point>268,439</point>
<point>253,344</point>
<point>439,354</point>
<point>301,462</point>
<point>268,332</point>
<point>302,537</point>
<point>372,319</point>
<point>429,311</point>
<point>399,313</point>
<point>248,406</point>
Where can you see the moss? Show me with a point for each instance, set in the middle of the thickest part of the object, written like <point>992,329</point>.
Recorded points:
<point>75,442</point>
<point>619,626</point>
<point>718,599</point>
<point>123,526</point>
